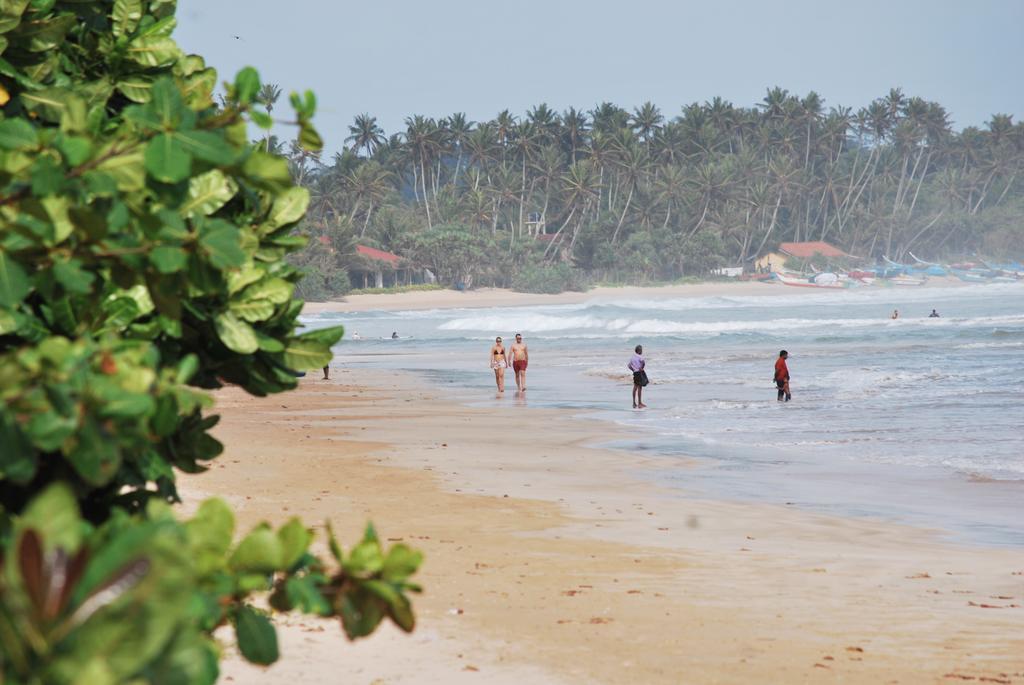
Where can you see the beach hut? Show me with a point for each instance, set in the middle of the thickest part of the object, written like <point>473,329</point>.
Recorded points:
<point>770,263</point>
<point>378,269</point>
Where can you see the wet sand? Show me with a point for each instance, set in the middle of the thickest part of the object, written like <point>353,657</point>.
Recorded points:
<point>552,561</point>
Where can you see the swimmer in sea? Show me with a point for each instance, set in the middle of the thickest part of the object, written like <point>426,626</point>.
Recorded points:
<point>499,362</point>
<point>933,315</point>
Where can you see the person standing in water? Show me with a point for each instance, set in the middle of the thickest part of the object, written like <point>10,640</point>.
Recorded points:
<point>636,365</point>
<point>782,376</point>
<point>520,357</point>
<point>895,314</point>
<point>499,362</point>
<point>933,315</point>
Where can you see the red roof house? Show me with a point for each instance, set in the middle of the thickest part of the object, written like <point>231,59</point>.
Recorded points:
<point>379,255</point>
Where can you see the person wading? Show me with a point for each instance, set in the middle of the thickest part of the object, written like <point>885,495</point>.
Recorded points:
<point>782,376</point>
<point>520,357</point>
<point>636,365</point>
<point>499,362</point>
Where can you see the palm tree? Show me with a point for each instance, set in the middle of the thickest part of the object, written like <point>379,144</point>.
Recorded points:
<point>459,130</point>
<point>420,136</point>
<point>575,129</point>
<point>267,96</point>
<point>365,134</point>
<point>645,121</point>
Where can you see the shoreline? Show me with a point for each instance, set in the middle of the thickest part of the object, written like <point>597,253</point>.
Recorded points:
<point>552,560</point>
<point>502,297</point>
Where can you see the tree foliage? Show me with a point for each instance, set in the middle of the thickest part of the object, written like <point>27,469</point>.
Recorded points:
<point>142,261</point>
<point>639,195</point>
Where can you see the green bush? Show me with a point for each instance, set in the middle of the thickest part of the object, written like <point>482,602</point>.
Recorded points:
<point>142,246</point>
<point>548,278</point>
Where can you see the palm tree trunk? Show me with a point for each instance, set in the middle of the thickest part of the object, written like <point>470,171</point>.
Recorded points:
<point>629,198</point>
<point>426,200</point>
<point>367,221</point>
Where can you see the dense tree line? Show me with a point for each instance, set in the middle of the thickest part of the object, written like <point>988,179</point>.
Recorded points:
<point>635,196</point>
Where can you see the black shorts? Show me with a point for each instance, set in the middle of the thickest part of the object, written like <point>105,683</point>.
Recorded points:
<point>781,383</point>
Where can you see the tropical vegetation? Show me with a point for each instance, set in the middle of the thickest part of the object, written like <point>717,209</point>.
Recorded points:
<point>637,195</point>
<point>142,262</point>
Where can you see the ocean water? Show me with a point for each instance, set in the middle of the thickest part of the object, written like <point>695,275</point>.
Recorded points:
<point>917,420</point>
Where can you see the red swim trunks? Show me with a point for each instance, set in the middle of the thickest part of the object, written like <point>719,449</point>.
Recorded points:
<point>519,365</point>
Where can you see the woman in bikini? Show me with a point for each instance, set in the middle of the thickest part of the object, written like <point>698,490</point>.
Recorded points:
<point>499,362</point>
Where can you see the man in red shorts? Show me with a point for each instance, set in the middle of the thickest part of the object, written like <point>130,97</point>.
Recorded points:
<point>520,357</point>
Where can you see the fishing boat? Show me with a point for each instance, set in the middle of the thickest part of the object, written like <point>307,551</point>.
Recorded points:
<point>825,280</point>
<point>906,281</point>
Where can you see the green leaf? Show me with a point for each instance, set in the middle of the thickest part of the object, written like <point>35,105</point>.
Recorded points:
<point>208,192</point>
<point>126,16</point>
<point>166,103</point>
<point>262,119</point>
<point>325,336</point>
<point>221,242</point>
<point>253,310</point>
<point>17,458</point>
<point>289,206</point>
<point>268,343</point>
<point>309,139</point>
<point>73,277</point>
<point>168,260</point>
<point>304,355</point>
<point>269,170</point>
<point>210,530</point>
<point>167,160</point>
<point>236,335</point>
<point>247,84</point>
<point>54,515</point>
<point>276,290</point>
<point>208,147</point>
<point>295,539</point>
<point>17,134</point>
<point>153,50</point>
<point>47,34</point>
<point>10,14</point>
<point>136,88</point>
<point>400,563</point>
<point>257,639</point>
<point>127,168</point>
<point>76,149</point>
<point>14,283</point>
<point>260,551</point>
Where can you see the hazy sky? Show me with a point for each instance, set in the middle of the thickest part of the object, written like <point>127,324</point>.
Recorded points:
<point>435,57</point>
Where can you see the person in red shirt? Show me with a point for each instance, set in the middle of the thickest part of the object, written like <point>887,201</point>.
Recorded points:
<point>782,376</point>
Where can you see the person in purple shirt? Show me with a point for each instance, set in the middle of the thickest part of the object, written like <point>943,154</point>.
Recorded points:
<point>636,365</point>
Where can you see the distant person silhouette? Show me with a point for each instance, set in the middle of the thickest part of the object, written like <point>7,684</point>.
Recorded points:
<point>933,315</point>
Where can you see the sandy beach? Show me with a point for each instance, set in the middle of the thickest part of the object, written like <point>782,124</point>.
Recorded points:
<point>551,560</point>
<point>501,297</point>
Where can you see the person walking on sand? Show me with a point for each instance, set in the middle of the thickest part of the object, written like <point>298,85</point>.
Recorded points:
<point>499,362</point>
<point>327,373</point>
<point>636,365</point>
<point>782,376</point>
<point>520,357</point>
